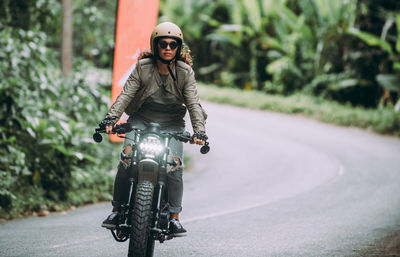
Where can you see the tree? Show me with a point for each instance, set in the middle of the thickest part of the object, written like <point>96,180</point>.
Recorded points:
<point>66,44</point>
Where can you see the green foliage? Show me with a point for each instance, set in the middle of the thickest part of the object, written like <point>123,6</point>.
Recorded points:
<point>284,46</point>
<point>391,82</point>
<point>371,39</point>
<point>46,121</point>
<point>198,19</point>
<point>30,14</point>
<point>93,25</point>
<point>93,31</point>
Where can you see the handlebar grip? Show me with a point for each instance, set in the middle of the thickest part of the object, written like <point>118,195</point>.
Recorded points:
<point>205,148</point>
<point>97,137</point>
<point>122,128</point>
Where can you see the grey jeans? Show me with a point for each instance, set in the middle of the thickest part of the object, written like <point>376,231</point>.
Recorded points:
<point>174,177</point>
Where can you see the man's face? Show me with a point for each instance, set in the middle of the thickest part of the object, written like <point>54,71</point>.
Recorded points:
<point>167,48</point>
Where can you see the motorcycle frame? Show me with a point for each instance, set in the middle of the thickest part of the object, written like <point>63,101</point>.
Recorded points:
<point>160,213</point>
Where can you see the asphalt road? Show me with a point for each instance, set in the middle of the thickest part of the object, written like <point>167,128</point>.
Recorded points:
<point>272,185</point>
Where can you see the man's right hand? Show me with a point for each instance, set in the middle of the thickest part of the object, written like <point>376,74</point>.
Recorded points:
<point>107,124</point>
<point>109,129</point>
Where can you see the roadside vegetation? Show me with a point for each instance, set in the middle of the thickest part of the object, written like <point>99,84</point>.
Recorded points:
<point>336,61</point>
<point>48,160</point>
<point>345,51</point>
<point>381,120</point>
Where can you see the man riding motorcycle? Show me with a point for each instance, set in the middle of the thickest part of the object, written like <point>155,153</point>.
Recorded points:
<point>159,90</point>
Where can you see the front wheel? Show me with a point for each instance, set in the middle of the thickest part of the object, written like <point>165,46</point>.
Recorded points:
<point>141,244</point>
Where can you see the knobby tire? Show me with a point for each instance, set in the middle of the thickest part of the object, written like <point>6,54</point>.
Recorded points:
<point>140,243</point>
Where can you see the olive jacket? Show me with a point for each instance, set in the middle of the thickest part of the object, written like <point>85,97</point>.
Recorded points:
<point>145,80</point>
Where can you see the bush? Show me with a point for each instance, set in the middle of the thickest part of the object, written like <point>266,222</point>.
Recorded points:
<point>93,31</point>
<point>47,155</point>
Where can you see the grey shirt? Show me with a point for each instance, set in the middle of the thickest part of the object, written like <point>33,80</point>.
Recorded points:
<point>162,107</point>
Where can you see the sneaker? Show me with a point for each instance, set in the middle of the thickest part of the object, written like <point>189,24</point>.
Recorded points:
<point>111,222</point>
<point>175,227</point>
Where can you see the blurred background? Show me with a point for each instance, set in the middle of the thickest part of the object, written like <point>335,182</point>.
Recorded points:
<point>336,61</point>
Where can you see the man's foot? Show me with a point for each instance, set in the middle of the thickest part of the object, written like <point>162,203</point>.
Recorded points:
<point>112,221</point>
<point>176,228</point>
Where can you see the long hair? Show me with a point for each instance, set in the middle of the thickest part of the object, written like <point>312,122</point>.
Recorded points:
<point>184,55</point>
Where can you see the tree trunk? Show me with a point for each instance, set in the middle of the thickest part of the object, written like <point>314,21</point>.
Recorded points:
<point>66,43</point>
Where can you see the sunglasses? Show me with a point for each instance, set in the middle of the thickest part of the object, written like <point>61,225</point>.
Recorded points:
<point>164,44</point>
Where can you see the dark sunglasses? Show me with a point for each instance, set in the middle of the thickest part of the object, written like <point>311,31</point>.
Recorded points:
<point>164,44</point>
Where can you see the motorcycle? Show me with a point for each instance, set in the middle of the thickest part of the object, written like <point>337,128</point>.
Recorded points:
<point>145,217</point>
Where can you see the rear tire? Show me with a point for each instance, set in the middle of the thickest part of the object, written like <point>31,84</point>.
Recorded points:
<point>140,243</point>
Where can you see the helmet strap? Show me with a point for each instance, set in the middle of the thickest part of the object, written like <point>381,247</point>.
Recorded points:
<point>172,74</point>
<point>168,63</point>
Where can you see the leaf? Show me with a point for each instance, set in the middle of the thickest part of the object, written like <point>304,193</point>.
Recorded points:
<point>397,106</point>
<point>90,158</point>
<point>64,150</point>
<point>31,132</point>
<point>396,66</point>
<point>371,39</point>
<point>65,127</point>
<point>79,155</point>
<point>237,16</point>
<point>345,83</point>
<point>271,43</point>
<point>230,27</point>
<point>288,16</point>
<point>224,38</point>
<point>389,81</point>
<point>209,69</point>
<point>254,13</point>
<point>278,65</point>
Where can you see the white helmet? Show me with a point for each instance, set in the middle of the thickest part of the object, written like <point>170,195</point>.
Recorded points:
<point>166,29</point>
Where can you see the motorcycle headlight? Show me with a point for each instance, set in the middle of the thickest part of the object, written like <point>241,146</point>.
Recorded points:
<point>151,145</point>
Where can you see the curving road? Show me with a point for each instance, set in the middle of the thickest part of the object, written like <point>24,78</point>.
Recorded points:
<point>272,185</point>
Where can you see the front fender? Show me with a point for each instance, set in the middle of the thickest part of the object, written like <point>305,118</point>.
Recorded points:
<point>148,170</point>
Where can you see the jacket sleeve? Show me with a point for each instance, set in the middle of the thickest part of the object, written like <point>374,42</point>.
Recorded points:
<point>192,102</point>
<point>129,91</point>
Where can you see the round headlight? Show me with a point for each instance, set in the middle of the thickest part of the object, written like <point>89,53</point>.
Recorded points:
<point>151,145</point>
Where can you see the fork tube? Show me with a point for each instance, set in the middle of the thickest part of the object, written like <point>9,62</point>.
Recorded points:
<point>131,180</point>
<point>130,200</point>
<point>164,160</point>
<point>135,152</point>
<point>133,175</point>
<point>161,184</point>
<point>157,208</point>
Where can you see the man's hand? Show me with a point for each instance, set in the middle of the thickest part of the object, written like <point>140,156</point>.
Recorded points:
<point>109,129</point>
<point>199,138</point>
<point>197,141</point>
<point>108,124</point>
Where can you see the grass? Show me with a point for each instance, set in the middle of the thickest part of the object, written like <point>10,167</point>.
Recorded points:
<point>382,120</point>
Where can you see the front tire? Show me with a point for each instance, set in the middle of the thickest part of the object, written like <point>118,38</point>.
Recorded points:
<point>140,243</point>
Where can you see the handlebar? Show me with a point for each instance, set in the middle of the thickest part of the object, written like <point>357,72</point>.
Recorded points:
<point>124,128</point>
